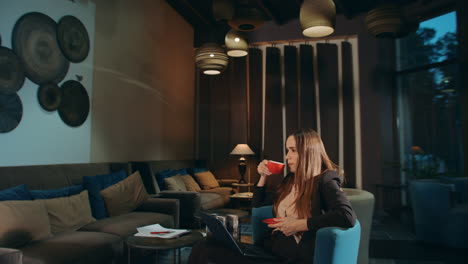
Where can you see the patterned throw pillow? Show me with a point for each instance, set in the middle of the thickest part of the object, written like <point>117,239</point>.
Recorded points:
<point>207,180</point>
<point>190,183</point>
<point>125,196</point>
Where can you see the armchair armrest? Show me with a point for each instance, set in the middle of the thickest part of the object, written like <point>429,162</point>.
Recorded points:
<point>190,204</point>
<point>227,182</point>
<point>11,256</point>
<point>162,205</point>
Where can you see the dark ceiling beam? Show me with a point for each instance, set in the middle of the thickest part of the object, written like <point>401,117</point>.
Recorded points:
<point>343,7</point>
<point>267,11</point>
<point>190,13</point>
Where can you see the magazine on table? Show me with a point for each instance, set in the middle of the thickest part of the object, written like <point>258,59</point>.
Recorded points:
<point>159,231</point>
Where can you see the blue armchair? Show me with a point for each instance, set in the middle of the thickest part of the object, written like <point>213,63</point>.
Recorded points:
<point>333,245</point>
<point>438,219</point>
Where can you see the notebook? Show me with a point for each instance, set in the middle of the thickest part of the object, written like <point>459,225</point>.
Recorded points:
<point>222,235</point>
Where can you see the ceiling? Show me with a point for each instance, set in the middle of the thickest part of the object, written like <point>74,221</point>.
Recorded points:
<point>210,18</point>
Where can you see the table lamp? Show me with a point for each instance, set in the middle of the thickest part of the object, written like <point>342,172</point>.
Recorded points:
<point>242,149</point>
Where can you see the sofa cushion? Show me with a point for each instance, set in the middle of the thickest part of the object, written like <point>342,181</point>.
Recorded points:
<point>125,225</point>
<point>190,184</point>
<point>61,192</point>
<point>22,221</point>
<point>160,176</point>
<point>94,185</point>
<point>125,196</point>
<point>211,200</point>
<point>69,213</point>
<point>17,193</point>
<point>74,247</point>
<point>175,183</point>
<point>206,180</point>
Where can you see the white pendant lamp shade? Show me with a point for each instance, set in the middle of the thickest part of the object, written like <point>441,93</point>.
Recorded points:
<point>236,44</point>
<point>211,59</point>
<point>317,18</point>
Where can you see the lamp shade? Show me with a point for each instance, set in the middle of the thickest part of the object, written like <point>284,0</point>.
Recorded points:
<point>211,59</point>
<point>317,18</point>
<point>242,149</point>
<point>236,44</point>
<point>387,21</point>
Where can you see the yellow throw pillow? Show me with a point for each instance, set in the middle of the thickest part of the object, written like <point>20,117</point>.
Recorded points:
<point>207,180</point>
<point>125,196</point>
<point>175,183</point>
<point>190,183</point>
<point>69,213</point>
<point>22,221</point>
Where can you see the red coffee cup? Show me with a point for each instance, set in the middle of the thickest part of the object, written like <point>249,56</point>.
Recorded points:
<point>275,167</point>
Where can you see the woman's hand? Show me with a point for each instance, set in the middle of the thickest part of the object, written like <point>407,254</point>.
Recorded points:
<point>262,168</point>
<point>289,225</point>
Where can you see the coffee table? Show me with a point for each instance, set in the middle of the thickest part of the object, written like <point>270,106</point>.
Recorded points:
<point>157,244</point>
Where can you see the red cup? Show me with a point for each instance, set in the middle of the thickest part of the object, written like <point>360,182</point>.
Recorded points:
<point>275,167</point>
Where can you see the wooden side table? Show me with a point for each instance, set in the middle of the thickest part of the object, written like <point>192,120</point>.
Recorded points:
<point>239,185</point>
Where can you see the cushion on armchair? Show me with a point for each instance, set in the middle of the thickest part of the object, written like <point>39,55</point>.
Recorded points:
<point>190,184</point>
<point>175,183</point>
<point>125,196</point>
<point>206,180</point>
<point>160,176</point>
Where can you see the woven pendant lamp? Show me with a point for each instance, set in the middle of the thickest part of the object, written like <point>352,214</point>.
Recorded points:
<point>317,18</point>
<point>236,44</point>
<point>386,20</point>
<point>211,59</point>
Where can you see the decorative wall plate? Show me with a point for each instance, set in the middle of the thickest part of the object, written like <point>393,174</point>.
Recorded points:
<point>11,71</point>
<point>73,38</point>
<point>74,107</point>
<point>34,40</point>
<point>49,96</point>
<point>11,112</point>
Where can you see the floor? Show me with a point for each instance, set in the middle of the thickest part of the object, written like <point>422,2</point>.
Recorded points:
<point>392,242</point>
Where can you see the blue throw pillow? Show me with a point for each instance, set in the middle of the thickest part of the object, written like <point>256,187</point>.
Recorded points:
<point>19,192</point>
<point>192,171</point>
<point>160,176</point>
<point>62,192</point>
<point>94,184</point>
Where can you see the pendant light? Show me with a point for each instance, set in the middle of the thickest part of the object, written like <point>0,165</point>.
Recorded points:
<point>211,59</point>
<point>236,44</point>
<point>317,18</point>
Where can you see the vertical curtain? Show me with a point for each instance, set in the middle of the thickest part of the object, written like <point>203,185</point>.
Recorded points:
<point>349,135</point>
<point>291,90</point>
<point>327,64</point>
<point>308,111</point>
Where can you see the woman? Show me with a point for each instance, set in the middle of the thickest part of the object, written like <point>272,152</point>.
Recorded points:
<point>307,199</point>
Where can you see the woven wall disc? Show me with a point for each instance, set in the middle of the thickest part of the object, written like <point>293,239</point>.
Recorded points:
<point>11,71</point>
<point>34,40</point>
<point>73,38</point>
<point>49,96</point>
<point>11,112</point>
<point>74,107</point>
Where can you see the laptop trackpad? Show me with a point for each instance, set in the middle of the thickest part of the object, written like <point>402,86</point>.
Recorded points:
<point>258,252</point>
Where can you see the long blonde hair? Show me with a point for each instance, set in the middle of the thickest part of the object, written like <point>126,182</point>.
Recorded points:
<point>313,161</point>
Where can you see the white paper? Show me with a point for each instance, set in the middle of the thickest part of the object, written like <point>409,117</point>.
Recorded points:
<point>145,231</point>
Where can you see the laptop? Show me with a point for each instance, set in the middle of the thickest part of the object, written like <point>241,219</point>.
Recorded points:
<point>222,235</point>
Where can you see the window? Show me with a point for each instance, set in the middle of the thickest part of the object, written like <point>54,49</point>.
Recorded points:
<point>428,99</point>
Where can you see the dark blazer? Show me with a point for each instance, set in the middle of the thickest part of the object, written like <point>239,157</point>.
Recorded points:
<point>330,207</point>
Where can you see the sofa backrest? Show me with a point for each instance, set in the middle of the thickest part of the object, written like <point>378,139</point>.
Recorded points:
<point>42,177</point>
<point>148,169</point>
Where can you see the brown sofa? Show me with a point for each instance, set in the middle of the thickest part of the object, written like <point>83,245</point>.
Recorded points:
<point>101,241</point>
<point>190,202</point>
